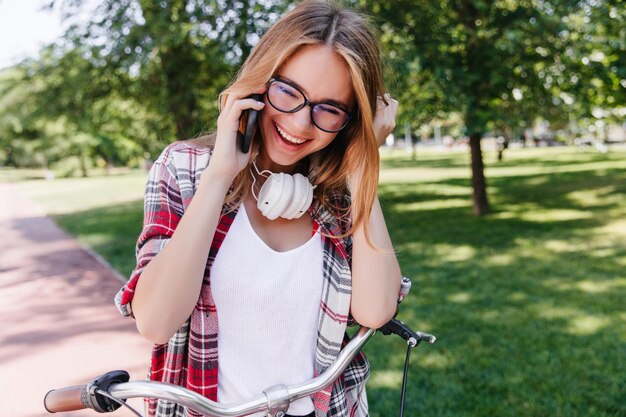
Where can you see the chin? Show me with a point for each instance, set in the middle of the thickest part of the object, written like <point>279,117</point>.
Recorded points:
<point>279,154</point>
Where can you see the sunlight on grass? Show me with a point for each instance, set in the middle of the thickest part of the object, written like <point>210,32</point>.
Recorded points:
<point>518,296</point>
<point>451,253</point>
<point>100,239</point>
<point>588,286</point>
<point>587,324</point>
<point>460,297</point>
<point>601,286</point>
<point>421,174</point>
<point>603,252</point>
<point>559,246</point>
<point>530,170</point>
<point>596,197</point>
<point>491,316</point>
<point>386,379</point>
<point>437,360</point>
<point>615,227</point>
<point>501,259</point>
<point>445,190</point>
<point>555,215</point>
<point>68,195</point>
<point>551,312</point>
<point>578,321</point>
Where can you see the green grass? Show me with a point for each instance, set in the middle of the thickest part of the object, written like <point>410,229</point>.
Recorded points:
<point>527,303</point>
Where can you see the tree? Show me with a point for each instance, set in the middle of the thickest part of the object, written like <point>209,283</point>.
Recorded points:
<point>36,135</point>
<point>137,75</point>
<point>173,56</point>
<point>478,52</point>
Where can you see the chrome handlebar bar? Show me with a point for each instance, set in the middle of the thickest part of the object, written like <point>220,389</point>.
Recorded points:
<point>274,400</point>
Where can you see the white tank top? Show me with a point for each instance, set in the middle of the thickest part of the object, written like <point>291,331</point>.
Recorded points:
<point>268,306</point>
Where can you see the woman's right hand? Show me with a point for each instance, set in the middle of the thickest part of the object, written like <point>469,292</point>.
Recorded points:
<point>227,159</point>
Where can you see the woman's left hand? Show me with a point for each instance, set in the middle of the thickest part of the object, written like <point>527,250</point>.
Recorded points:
<point>385,118</point>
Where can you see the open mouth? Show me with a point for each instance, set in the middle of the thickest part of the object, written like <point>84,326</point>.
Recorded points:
<point>286,137</point>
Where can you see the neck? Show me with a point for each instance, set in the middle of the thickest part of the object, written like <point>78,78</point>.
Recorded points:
<point>265,163</point>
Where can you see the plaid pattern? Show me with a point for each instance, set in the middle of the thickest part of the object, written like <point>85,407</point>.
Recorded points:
<point>190,357</point>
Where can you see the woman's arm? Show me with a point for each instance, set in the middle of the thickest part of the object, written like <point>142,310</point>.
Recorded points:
<point>375,271</point>
<point>170,284</point>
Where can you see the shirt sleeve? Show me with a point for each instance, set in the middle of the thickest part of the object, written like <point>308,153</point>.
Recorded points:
<point>163,210</point>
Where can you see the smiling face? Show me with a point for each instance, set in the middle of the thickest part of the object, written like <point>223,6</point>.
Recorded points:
<point>321,75</point>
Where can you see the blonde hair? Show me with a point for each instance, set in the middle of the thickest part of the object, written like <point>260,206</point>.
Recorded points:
<point>355,149</point>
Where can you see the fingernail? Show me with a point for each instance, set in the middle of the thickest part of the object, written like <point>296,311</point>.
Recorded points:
<point>261,103</point>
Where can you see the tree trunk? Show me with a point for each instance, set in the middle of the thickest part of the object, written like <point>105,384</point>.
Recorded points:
<point>183,104</point>
<point>83,165</point>
<point>479,185</point>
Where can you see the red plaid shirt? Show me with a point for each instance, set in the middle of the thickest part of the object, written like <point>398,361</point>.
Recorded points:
<point>190,357</point>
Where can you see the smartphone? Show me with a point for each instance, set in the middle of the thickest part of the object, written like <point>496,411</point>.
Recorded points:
<point>250,120</point>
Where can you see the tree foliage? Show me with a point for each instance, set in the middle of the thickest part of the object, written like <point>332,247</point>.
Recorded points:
<point>139,74</point>
<point>174,56</point>
<point>502,63</point>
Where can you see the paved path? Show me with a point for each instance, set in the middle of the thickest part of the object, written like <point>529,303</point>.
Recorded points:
<point>58,324</point>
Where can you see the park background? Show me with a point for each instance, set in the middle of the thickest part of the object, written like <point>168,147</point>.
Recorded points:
<point>503,186</point>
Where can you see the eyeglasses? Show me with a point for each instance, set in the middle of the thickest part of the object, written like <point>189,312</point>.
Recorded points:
<point>287,98</point>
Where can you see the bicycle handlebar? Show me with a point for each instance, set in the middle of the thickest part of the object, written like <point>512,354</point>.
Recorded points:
<point>274,400</point>
<point>64,399</point>
<point>89,395</point>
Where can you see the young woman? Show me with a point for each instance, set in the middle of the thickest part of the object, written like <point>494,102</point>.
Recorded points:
<point>237,298</point>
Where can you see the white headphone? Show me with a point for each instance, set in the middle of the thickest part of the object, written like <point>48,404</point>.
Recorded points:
<point>283,195</point>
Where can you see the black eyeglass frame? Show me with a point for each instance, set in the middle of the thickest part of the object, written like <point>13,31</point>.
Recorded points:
<point>309,103</point>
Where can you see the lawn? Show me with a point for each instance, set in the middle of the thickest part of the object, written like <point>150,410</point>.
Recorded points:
<point>525,302</point>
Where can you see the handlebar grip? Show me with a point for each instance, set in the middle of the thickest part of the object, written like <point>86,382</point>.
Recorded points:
<point>65,399</point>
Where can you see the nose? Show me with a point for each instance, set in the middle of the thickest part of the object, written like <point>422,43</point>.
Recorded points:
<point>302,120</point>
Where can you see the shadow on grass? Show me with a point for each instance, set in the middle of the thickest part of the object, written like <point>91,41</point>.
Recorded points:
<point>527,303</point>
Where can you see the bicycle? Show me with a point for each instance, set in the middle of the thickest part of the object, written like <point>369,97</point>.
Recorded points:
<point>108,392</point>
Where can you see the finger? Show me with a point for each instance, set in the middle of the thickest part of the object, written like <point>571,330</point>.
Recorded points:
<point>385,101</point>
<point>381,104</point>
<point>235,96</point>
<point>239,106</point>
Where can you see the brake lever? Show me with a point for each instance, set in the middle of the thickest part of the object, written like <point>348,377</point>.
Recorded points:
<point>414,338</point>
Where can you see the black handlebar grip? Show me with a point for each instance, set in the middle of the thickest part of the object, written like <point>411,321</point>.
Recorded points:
<point>65,399</point>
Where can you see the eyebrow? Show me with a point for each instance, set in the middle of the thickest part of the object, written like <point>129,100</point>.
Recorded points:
<point>339,104</point>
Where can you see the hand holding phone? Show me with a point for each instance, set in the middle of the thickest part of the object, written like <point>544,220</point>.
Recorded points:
<point>250,118</point>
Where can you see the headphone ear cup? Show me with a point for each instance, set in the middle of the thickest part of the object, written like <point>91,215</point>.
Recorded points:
<point>275,195</point>
<point>301,199</point>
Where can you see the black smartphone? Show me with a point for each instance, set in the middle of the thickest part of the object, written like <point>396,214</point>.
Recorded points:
<point>250,118</point>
